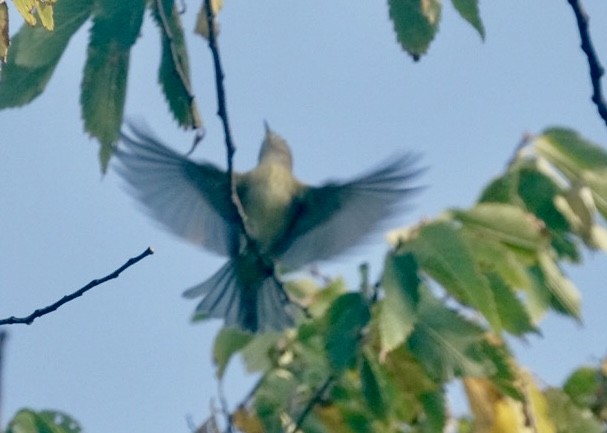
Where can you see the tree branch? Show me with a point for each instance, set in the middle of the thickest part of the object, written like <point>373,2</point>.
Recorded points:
<point>596,70</point>
<point>222,112</point>
<point>317,398</point>
<point>67,298</point>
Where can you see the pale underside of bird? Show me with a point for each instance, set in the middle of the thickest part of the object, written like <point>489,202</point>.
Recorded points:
<point>289,223</point>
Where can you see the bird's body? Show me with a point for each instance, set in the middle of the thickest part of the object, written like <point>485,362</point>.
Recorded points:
<point>287,223</point>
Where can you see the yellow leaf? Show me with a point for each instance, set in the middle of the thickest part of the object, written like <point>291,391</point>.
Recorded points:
<point>43,8</point>
<point>4,38</point>
<point>202,25</point>
<point>246,422</point>
<point>496,413</point>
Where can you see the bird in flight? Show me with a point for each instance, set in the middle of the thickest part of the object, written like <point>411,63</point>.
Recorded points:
<point>276,220</point>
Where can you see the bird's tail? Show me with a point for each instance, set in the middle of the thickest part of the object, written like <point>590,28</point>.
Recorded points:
<point>245,298</point>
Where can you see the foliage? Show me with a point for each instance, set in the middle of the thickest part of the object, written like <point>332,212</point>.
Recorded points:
<point>116,26</point>
<point>453,289</point>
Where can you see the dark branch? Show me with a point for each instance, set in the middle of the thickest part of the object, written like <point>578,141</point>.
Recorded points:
<point>67,298</point>
<point>317,398</point>
<point>596,70</point>
<point>222,112</point>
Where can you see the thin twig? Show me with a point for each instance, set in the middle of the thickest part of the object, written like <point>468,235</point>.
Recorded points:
<point>3,336</point>
<point>596,70</point>
<point>316,398</point>
<point>177,61</point>
<point>222,112</point>
<point>67,298</point>
<point>224,407</point>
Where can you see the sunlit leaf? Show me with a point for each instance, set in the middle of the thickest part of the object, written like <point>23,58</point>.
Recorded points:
<point>397,310</point>
<point>4,38</point>
<point>568,417</point>
<point>228,342</point>
<point>513,314</point>
<point>202,23</point>
<point>469,11</point>
<point>258,354</point>
<point>174,72</point>
<point>116,27</point>
<point>42,8</point>
<point>441,252</point>
<point>246,421</point>
<point>505,223</point>
<point>415,23</point>
<point>35,53</point>
<point>348,315</point>
<point>565,296</point>
<point>28,421</point>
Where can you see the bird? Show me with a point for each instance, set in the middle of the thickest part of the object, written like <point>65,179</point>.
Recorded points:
<point>276,222</point>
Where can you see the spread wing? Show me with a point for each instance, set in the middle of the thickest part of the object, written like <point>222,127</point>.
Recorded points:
<point>332,218</point>
<point>190,199</point>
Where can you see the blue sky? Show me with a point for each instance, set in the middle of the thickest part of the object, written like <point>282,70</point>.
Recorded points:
<point>333,81</point>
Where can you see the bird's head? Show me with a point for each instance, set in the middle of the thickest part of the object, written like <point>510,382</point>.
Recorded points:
<point>275,149</point>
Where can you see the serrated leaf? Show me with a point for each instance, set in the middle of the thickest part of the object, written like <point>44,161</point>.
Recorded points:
<point>35,53</point>
<point>174,72</point>
<point>116,27</point>
<point>565,296</point>
<point>513,314</point>
<point>446,343</point>
<point>346,318</point>
<point>415,23</point>
<point>397,310</point>
<point>228,342</point>
<point>4,38</point>
<point>570,152</point>
<point>29,421</point>
<point>494,256</point>
<point>441,252</point>
<point>468,9</point>
<point>568,417</point>
<point>504,223</point>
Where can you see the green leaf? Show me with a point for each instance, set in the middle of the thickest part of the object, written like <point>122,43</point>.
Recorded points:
<point>35,53</point>
<point>435,411</point>
<point>582,386</point>
<point>116,27</point>
<point>397,310</point>
<point>228,342</point>
<point>503,189</point>
<point>565,296</point>
<point>415,23</point>
<point>441,252</point>
<point>513,314</point>
<point>348,315</point>
<point>570,152</point>
<point>174,72</point>
<point>469,11</point>
<point>568,417</point>
<point>447,344</point>
<point>372,389</point>
<point>258,355</point>
<point>28,421</point>
<point>505,223</point>
<point>494,256</point>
